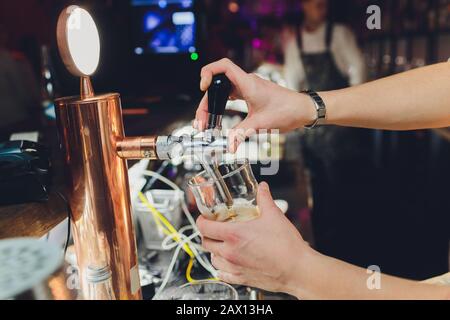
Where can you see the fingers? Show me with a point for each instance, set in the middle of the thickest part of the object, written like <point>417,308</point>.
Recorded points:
<point>231,278</point>
<point>224,265</point>
<point>238,77</point>
<point>201,116</point>
<point>243,130</point>
<point>232,71</point>
<point>265,200</point>
<point>213,246</point>
<point>212,229</point>
<point>206,76</point>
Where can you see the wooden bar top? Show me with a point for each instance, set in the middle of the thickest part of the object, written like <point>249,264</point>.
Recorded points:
<point>36,219</point>
<point>32,219</point>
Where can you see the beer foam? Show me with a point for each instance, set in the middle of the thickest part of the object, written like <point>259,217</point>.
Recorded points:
<point>241,211</point>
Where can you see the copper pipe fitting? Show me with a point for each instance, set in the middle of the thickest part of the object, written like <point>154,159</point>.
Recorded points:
<point>137,148</point>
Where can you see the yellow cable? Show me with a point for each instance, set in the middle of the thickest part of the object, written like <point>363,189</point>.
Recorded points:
<point>188,273</point>
<point>160,218</point>
<point>189,270</point>
<point>170,229</point>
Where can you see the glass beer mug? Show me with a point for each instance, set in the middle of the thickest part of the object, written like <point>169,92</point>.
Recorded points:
<point>227,193</point>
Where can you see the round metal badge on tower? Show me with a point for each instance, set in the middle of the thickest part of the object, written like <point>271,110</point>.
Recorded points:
<point>25,264</point>
<point>78,41</point>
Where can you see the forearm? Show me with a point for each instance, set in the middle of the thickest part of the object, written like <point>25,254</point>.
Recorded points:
<point>416,99</point>
<point>328,278</point>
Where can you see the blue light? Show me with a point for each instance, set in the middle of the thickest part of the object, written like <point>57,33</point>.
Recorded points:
<point>186,3</point>
<point>152,21</point>
<point>162,4</point>
<point>183,18</point>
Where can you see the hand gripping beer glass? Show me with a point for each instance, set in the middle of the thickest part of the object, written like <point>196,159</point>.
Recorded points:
<point>227,195</point>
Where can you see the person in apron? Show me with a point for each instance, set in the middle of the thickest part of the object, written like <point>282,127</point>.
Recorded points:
<point>321,71</point>
<point>338,159</point>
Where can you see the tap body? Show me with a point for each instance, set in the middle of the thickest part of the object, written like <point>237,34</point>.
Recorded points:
<point>170,147</point>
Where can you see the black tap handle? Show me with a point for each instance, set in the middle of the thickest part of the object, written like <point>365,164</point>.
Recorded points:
<point>218,94</point>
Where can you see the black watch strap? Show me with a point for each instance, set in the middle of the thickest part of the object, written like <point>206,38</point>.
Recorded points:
<point>320,108</point>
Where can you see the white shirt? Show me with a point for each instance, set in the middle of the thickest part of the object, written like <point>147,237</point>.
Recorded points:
<point>347,55</point>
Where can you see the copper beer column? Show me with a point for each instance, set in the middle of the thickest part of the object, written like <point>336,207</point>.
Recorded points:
<point>98,190</point>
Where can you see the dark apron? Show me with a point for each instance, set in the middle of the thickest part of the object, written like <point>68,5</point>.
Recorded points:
<point>321,71</point>
<point>335,157</point>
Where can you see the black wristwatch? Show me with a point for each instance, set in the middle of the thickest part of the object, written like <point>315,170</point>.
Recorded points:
<point>320,107</point>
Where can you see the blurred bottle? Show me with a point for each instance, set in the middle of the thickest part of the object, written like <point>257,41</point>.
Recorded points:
<point>100,286</point>
<point>48,88</point>
<point>432,19</point>
<point>444,14</point>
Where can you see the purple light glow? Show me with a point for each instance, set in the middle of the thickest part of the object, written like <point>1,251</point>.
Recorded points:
<point>257,43</point>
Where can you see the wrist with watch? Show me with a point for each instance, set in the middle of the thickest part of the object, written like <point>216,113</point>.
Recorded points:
<point>320,107</point>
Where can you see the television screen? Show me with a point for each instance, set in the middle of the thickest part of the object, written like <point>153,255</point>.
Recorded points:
<point>164,26</point>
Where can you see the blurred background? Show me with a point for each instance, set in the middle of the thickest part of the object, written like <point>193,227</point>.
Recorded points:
<point>364,196</point>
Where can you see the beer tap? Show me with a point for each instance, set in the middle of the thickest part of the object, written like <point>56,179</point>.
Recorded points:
<point>169,147</point>
<point>218,94</point>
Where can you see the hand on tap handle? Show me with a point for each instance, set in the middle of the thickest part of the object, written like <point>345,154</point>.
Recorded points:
<point>270,106</point>
<point>393,103</point>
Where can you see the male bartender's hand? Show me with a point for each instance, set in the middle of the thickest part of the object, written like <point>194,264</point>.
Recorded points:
<point>270,106</point>
<point>267,253</point>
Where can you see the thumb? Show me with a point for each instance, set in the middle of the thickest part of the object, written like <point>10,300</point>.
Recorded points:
<point>264,198</point>
<point>243,130</point>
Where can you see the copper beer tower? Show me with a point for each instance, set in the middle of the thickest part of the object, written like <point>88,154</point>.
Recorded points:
<point>95,149</point>
<point>92,138</point>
